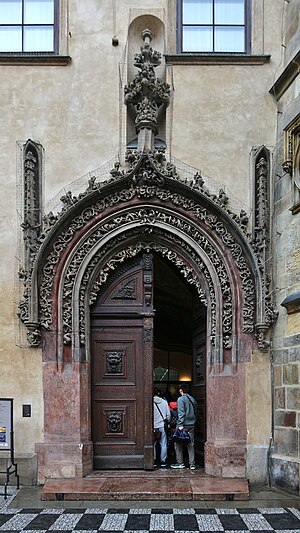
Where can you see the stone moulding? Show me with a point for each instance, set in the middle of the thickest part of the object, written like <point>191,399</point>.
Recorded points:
<point>146,206</point>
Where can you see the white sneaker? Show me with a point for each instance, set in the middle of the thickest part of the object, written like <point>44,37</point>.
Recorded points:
<point>178,465</point>
<point>193,467</point>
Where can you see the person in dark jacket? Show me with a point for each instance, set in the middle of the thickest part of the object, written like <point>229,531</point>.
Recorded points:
<point>186,406</point>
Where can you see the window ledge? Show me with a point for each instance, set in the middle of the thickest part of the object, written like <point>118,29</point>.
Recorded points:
<point>286,78</point>
<point>33,59</point>
<point>295,208</point>
<point>216,59</point>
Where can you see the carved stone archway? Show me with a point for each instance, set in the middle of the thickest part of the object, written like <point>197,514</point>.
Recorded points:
<point>146,206</point>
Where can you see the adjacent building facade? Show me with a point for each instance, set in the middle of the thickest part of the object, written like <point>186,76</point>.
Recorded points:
<point>150,231</point>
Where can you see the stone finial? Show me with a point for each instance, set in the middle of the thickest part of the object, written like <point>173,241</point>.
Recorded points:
<point>146,93</point>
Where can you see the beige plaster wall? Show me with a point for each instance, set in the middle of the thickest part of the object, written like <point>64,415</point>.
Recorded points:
<point>220,113</point>
<point>258,394</point>
<point>21,379</point>
<point>76,111</point>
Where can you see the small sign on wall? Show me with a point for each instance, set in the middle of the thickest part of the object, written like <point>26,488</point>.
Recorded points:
<point>6,423</point>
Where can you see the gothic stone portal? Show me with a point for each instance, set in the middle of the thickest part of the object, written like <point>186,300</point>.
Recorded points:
<point>85,246</point>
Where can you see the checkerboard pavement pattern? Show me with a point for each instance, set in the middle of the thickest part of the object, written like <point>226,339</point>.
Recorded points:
<point>81,520</point>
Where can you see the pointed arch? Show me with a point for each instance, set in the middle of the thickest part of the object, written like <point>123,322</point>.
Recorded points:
<point>147,209</point>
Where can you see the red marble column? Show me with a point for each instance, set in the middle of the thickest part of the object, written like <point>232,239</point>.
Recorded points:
<point>67,448</point>
<point>225,449</point>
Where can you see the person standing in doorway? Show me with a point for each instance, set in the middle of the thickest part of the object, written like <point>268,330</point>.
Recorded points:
<point>186,406</point>
<point>161,413</point>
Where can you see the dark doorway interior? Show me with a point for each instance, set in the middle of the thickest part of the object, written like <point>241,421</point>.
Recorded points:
<point>124,366</point>
<point>173,328</point>
<point>179,341</point>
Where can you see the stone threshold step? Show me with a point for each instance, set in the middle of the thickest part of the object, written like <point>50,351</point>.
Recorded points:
<point>134,486</point>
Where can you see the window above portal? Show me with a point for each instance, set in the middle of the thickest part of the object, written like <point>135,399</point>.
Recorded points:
<point>29,26</point>
<point>214,26</point>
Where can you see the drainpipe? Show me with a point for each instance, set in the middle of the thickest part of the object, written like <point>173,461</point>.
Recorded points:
<point>271,440</point>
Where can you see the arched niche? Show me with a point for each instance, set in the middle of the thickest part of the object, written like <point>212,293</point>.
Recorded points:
<point>135,31</point>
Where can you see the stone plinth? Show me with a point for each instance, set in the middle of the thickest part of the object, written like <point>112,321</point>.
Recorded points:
<point>64,460</point>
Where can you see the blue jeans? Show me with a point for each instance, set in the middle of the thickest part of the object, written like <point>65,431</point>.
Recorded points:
<point>163,446</point>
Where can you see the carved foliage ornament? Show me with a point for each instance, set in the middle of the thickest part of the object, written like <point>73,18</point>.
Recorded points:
<point>154,216</point>
<point>146,179</point>
<point>142,191</point>
<point>143,216</point>
<point>146,93</point>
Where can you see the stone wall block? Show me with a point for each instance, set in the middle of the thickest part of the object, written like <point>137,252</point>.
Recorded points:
<point>286,442</point>
<point>293,398</point>
<point>294,279</point>
<point>279,398</point>
<point>281,356</point>
<point>285,418</point>
<point>285,474</point>
<point>257,463</point>
<point>292,340</point>
<point>294,354</point>
<point>277,375</point>
<point>291,374</point>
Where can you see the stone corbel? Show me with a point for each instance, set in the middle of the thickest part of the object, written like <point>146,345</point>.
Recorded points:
<point>260,334</point>
<point>33,334</point>
<point>287,167</point>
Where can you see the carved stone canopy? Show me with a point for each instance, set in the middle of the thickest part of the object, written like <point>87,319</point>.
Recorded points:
<point>146,93</point>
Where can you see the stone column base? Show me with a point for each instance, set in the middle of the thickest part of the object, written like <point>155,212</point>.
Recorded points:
<point>257,463</point>
<point>225,459</point>
<point>64,460</point>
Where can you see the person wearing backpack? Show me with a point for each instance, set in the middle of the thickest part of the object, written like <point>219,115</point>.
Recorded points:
<point>186,419</point>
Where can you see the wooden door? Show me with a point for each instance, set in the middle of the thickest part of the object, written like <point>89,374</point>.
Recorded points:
<point>199,379</point>
<point>122,346</point>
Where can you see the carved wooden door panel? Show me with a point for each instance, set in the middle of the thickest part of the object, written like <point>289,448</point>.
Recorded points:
<point>199,381</point>
<point>121,344</point>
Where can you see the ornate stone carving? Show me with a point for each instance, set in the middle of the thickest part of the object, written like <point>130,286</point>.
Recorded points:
<point>287,167</point>
<point>146,93</point>
<point>34,335</point>
<point>144,217</point>
<point>261,236</point>
<point>31,226</point>
<point>185,206</point>
<point>131,251</point>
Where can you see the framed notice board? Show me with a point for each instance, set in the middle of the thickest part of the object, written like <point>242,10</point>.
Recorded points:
<point>6,424</point>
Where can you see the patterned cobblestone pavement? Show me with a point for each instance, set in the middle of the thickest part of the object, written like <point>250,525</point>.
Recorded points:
<point>143,519</point>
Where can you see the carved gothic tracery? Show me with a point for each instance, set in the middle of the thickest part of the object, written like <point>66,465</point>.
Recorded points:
<point>261,238</point>
<point>31,226</point>
<point>142,208</point>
